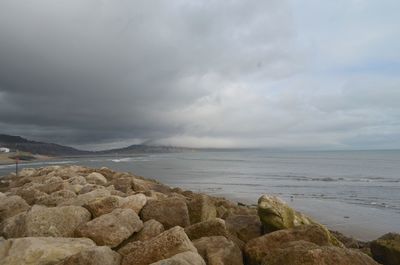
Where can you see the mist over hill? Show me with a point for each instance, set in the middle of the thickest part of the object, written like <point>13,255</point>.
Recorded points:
<point>51,149</point>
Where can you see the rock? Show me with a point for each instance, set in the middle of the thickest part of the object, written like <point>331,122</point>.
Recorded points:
<point>201,208</point>
<point>30,195</point>
<point>256,249</point>
<point>214,227</point>
<point>112,228</point>
<point>122,182</point>
<point>348,242</point>
<point>52,185</point>
<point>56,198</point>
<point>103,205</point>
<point>41,250</point>
<point>77,180</point>
<point>94,256</point>
<point>386,249</point>
<point>275,214</point>
<point>185,258</point>
<point>14,226</point>
<point>217,250</point>
<point>87,197</point>
<point>96,178</point>
<point>135,202</point>
<point>12,205</point>
<point>307,253</point>
<point>90,187</point>
<point>117,192</point>
<point>41,221</point>
<point>245,227</point>
<point>151,228</point>
<point>170,212</point>
<point>163,246</point>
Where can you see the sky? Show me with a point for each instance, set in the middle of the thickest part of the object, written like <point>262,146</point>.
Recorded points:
<point>278,74</point>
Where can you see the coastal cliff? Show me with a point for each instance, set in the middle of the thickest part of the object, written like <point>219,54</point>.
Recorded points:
<point>78,215</point>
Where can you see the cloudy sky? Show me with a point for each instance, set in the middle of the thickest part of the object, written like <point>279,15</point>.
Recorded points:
<point>277,73</point>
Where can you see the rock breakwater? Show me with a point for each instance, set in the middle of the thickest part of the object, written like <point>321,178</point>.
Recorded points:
<point>77,215</point>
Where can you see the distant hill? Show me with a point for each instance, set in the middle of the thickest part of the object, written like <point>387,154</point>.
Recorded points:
<point>141,148</point>
<point>50,149</point>
<point>40,148</point>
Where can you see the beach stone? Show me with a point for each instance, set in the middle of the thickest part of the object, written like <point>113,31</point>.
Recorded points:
<point>42,221</point>
<point>53,184</point>
<point>135,202</point>
<point>12,205</point>
<point>30,195</point>
<point>112,228</point>
<point>56,198</point>
<point>94,256</point>
<point>83,199</point>
<point>215,227</point>
<point>245,227</point>
<point>307,253</point>
<point>14,226</point>
<point>103,205</point>
<point>41,250</point>
<point>275,214</point>
<point>170,212</point>
<point>77,180</point>
<point>185,258</point>
<point>151,228</point>
<point>348,242</point>
<point>217,250</point>
<point>201,208</point>
<point>122,182</point>
<point>386,249</point>
<point>256,249</point>
<point>96,178</point>
<point>163,246</point>
<point>90,187</point>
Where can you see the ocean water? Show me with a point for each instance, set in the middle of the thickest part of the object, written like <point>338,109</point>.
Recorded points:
<point>355,192</point>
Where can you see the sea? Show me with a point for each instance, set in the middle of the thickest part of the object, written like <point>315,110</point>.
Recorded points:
<point>354,192</point>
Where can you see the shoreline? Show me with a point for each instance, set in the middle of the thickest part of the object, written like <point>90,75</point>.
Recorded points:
<point>352,220</point>
<point>82,203</point>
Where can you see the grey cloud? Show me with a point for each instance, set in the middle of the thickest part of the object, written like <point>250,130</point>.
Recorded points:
<point>203,73</point>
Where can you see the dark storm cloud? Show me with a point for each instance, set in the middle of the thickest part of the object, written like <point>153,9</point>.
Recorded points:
<point>203,73</point>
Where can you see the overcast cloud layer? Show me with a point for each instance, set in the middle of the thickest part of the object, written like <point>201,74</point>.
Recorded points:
<point>277,74</point>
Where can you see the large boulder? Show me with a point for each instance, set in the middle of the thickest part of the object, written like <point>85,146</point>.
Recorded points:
<point>52,184</point>
<point>215,227</point>
<point>275,214</point>
<point>185,258</point>
<point>41,250</point>
<point>163,246</point>
<point>170,212</point>
<point>94,256</point>
<point>30,195</point>
<point>103,205</point>
<point>245,227</point>
<point>112,228</point>
<point>201,208</point>
<point>12,205</point>
<point>217,250</point>
<point>56,198</point>
<point>257,248</point>
<point>386,249</point>
<point>307,253</point>
<point>96,178</point>
<point>122,182</point>
<point>42,221</point>
<point>83,199</point>
<point>135,202</point>
<point>151,228</point>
